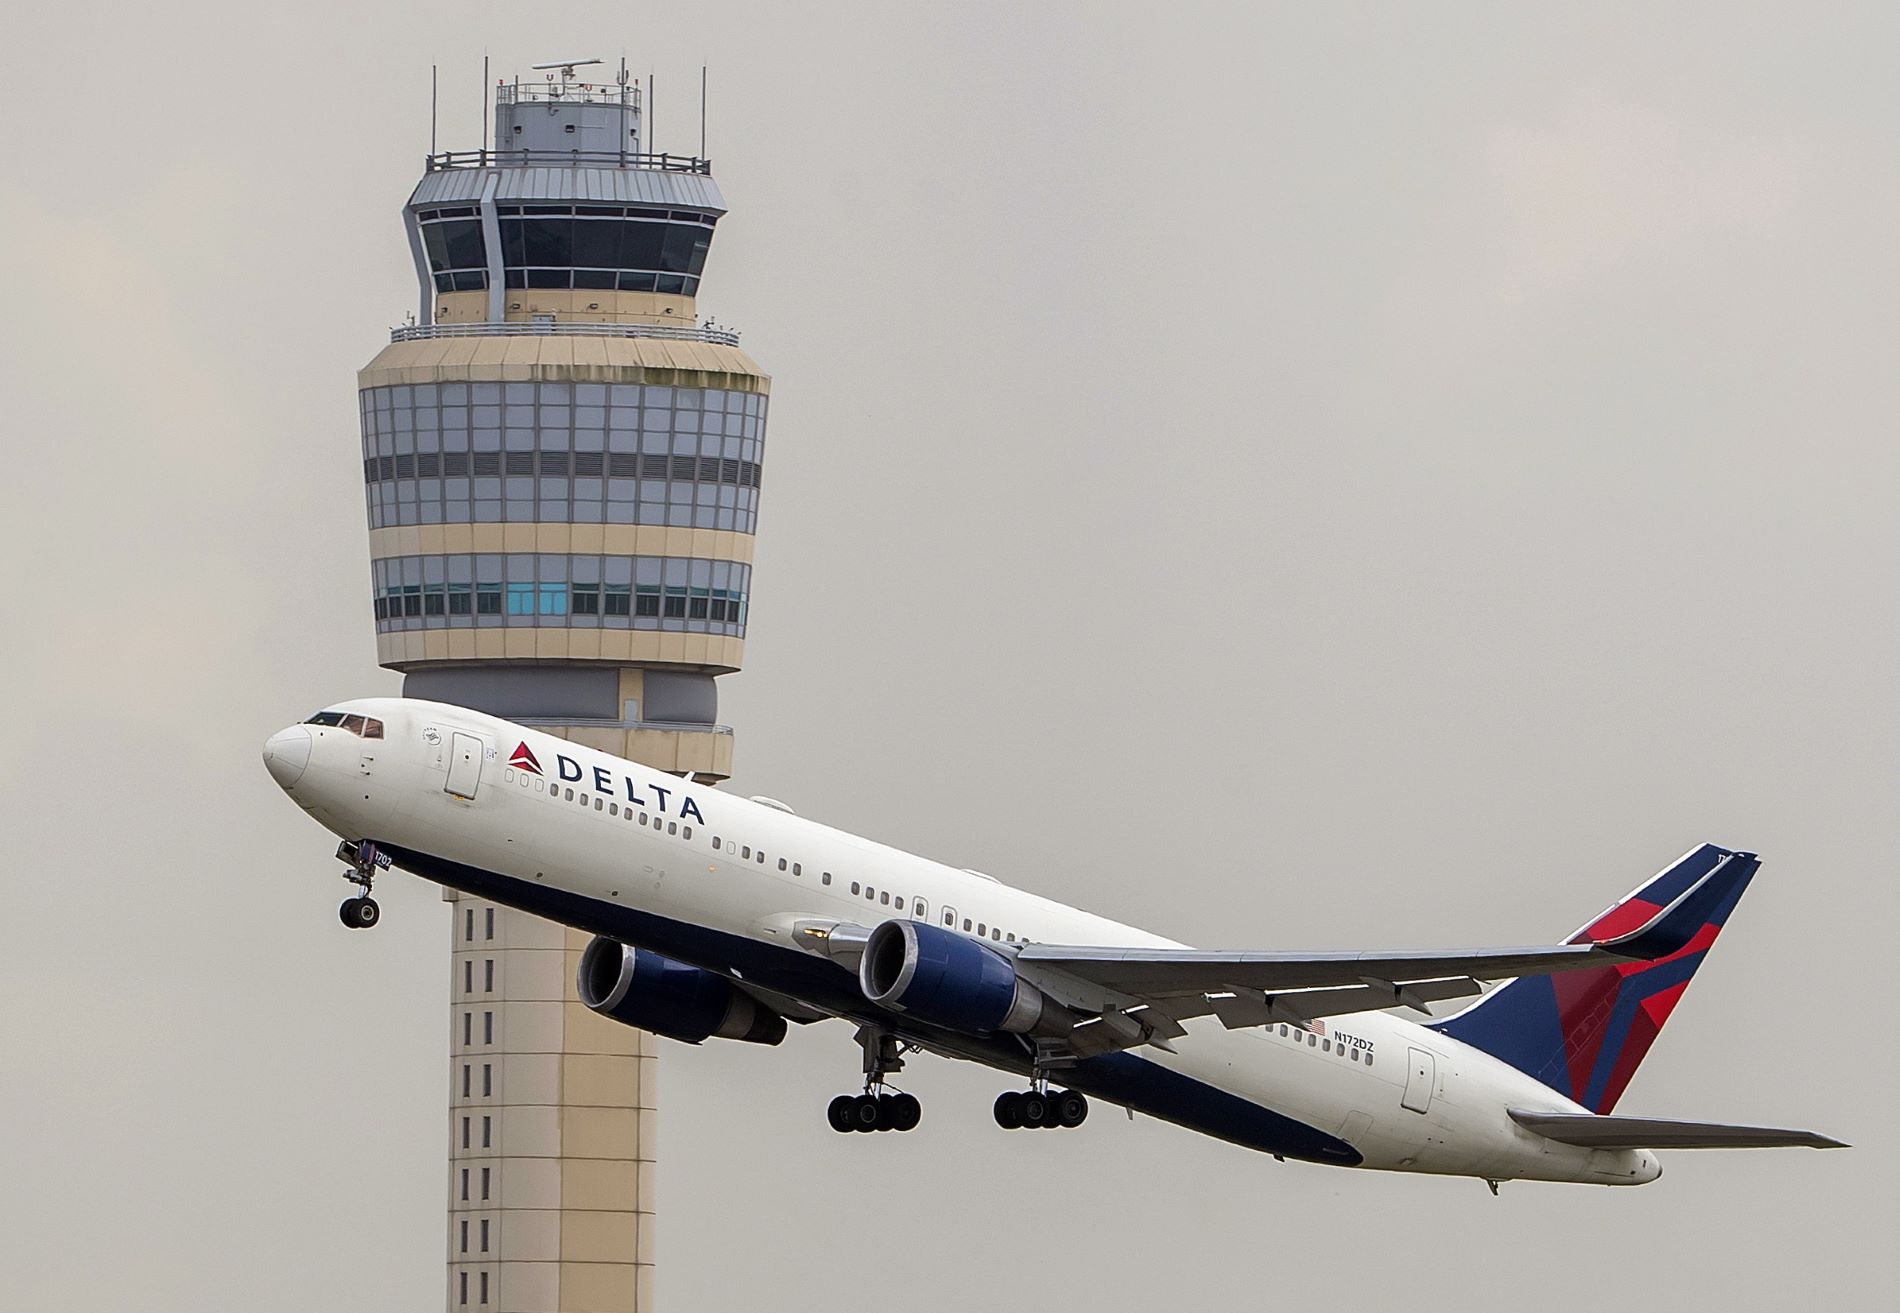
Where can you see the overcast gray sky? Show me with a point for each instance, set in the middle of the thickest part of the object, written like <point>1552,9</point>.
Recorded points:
<point>1290,476</point>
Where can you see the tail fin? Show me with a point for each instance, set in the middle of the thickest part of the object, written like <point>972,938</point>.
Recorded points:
<point>1583,1032</point>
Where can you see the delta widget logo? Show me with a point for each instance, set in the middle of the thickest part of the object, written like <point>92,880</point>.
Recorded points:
<point>523,759</point>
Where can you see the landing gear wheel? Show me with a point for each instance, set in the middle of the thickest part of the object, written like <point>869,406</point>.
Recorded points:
<point>1009,1110</point>
<point>866,1114</point>
<point>359,913</point>
<point>1035,1106</point>
<point>904,1112</point>
<point>1070,1108</point>
<point>842,1114</point>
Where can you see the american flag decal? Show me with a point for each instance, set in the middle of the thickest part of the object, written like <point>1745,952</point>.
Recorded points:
<point>1317,1026</point>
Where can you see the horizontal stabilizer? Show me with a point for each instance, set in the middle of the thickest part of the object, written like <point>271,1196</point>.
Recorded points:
<point>1596,1132</point>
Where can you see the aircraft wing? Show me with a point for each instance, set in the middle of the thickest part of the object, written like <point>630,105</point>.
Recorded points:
<point>1161,987</point>
<point>1157,988</point>
<point>1598,1132</point>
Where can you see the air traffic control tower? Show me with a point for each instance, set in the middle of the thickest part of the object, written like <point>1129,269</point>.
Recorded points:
<point>562,466</point>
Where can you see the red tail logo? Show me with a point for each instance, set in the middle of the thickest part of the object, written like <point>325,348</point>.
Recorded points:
<point>523,759</point>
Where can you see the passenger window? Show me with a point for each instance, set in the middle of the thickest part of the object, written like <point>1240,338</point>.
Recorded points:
<point>715,843</point>
<point>643,818</point>
<point>686,833</point>
<point>613,809</point>
<point>1311,1039</point>
<point>796,869</point>
<point>854,889</point>
<point>826,879</point>
<point>672,827</point>
<point>950,917</point>
<point>1325,1046</point>
<point>570,794</point>
<point>1368,1058</point>
<point>966,925</point>
<point>781,863</point>
<point>598,804</point>
<point>1355,1055</point>
<point>885,899</point>
<point>745,852</point>
<point>900,904</point>
<point>761,857</point>
<point>981,930</point>
<point>996,934</point>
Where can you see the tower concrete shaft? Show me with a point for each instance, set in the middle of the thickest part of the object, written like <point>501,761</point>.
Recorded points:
<point>562,469</point>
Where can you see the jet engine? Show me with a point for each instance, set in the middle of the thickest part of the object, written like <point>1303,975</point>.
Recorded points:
<point>950,980</point>
<point>682,1002</point>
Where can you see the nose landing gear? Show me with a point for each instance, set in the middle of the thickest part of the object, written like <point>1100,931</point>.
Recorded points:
<point>362,860</point>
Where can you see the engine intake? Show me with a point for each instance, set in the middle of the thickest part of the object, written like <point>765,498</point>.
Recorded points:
<point>638,988</point>
<point>947,979</point>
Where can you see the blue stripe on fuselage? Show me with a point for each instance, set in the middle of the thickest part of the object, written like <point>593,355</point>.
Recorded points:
<point>1121,1078</point>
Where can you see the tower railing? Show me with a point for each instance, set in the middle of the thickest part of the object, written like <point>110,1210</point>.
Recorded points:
<point>597,159</point>
<point>551,92</point>
<point>564,328</point>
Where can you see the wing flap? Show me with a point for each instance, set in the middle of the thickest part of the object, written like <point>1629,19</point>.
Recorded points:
<point>1597,1132</point>
<point>1239,1008</point>
<point>1156,973</point>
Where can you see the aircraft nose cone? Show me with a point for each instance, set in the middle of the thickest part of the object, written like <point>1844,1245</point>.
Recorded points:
<point>286,753</point>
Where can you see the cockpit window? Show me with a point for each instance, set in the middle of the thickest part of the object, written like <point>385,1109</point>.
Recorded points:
<point>362,726</point>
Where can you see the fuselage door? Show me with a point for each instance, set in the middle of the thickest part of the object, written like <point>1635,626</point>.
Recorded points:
<point>1419,1081</point>
<point>465,765</point>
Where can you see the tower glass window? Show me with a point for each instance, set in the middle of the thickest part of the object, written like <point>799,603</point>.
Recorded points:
<point>628,248</point>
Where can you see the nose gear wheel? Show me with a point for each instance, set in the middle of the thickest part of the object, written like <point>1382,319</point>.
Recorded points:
<point>362,860</point>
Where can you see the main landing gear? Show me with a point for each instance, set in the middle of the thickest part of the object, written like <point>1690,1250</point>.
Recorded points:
<point>1041,1108</point>
<point>362,860</point>
<point>877,1109</point>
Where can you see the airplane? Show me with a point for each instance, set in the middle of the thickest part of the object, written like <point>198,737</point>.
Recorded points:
<point>717,916</point>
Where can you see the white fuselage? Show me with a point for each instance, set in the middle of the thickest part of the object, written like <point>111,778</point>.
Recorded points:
<point>618,838</point>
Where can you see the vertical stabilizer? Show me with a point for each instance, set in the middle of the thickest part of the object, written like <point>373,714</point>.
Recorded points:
<point>1583,1032</point>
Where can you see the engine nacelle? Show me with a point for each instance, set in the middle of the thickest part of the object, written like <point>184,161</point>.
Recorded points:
<point>947,979</point>
<point>670,998</point>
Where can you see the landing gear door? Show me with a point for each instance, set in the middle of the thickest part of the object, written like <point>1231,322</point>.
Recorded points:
<point>1419,1080</point>
<point>465,766</point>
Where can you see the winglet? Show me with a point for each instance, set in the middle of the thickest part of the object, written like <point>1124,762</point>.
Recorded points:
<point>1706,902</point>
